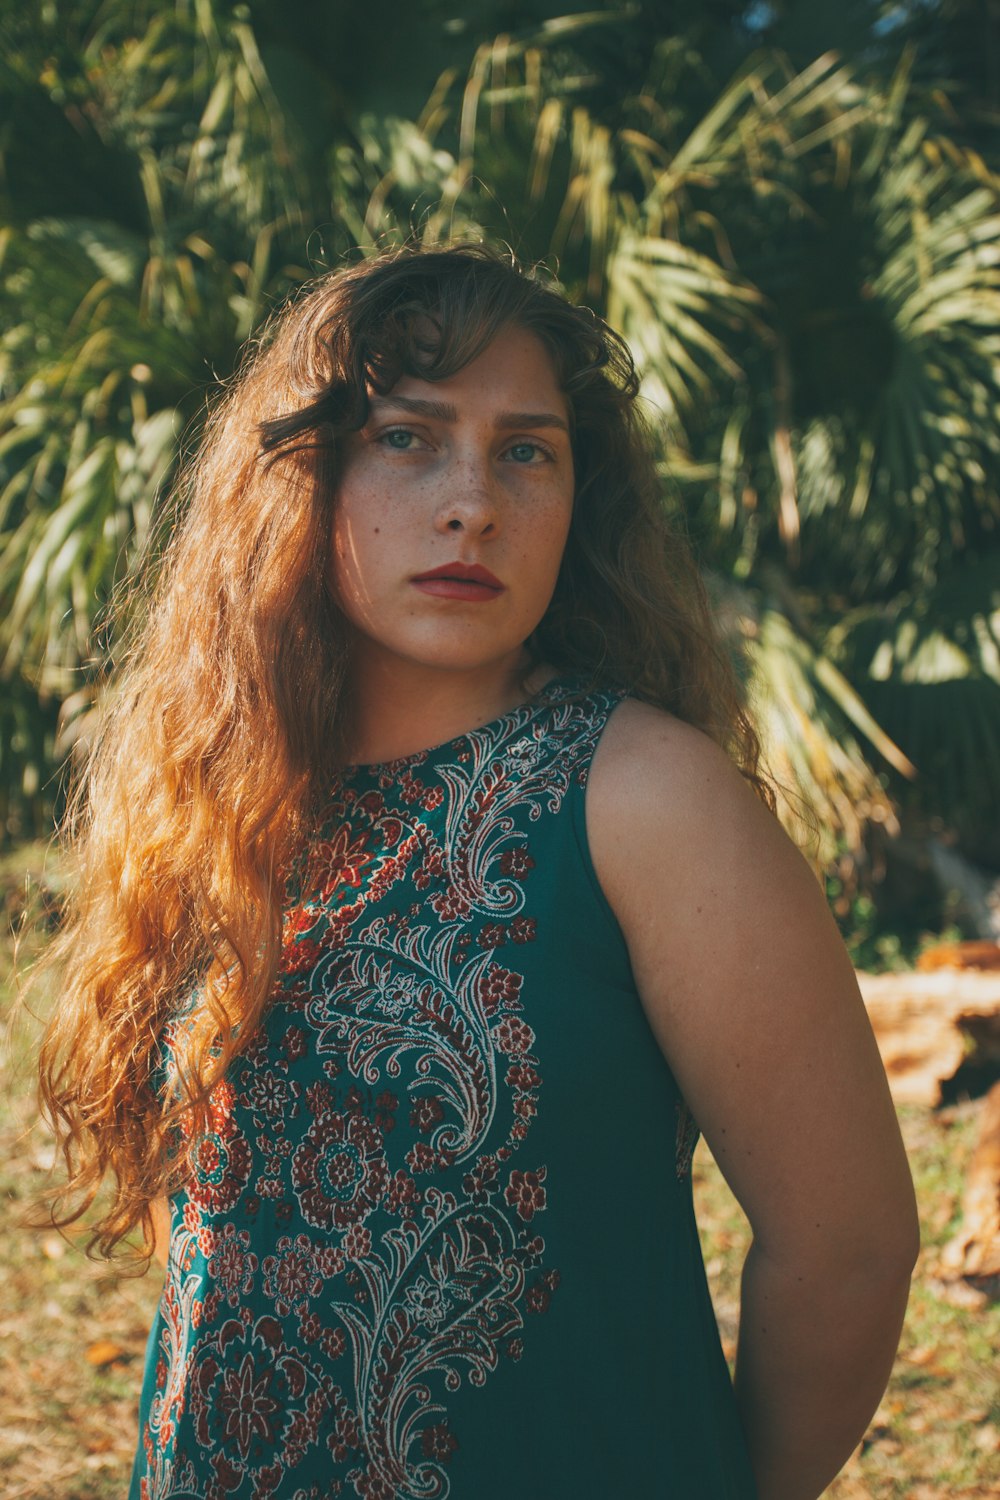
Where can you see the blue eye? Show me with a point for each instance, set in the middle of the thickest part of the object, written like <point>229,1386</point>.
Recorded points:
<point>398,438</point>
<point>524,453</point>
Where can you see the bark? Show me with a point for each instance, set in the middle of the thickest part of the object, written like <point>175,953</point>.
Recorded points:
<point>928,1024</point>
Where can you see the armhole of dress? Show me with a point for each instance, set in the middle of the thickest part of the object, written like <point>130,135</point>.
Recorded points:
<point>687,1131</point>
<point>579,804</point>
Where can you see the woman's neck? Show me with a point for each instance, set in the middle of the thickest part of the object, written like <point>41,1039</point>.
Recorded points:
<point>395,709</point>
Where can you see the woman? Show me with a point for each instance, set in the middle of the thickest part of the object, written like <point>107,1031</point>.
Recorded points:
<point>430,894</point>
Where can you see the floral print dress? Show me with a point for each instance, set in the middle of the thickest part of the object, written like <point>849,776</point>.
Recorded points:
<point>440,1241</point>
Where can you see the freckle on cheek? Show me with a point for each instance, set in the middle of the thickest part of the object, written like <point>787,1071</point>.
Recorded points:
<point>376,530</point>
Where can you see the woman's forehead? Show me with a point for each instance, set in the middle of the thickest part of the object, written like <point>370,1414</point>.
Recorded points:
<point>512,360</point>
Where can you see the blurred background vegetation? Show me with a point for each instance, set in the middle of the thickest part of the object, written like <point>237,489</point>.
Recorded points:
<point>792,211</point>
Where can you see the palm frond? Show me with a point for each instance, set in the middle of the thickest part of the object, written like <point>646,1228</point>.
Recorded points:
<point>109,328</point>
<point>808,714</point>
<point>929,666</point>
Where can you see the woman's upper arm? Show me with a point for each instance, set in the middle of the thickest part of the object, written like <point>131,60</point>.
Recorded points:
<point>750,993</point>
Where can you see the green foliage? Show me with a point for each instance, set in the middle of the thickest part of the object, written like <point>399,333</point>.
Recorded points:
<point>882,947</point>
<point>802,246</point>
<point>808,274</point>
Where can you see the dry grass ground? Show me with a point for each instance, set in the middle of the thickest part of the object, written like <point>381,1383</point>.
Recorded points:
<point>72,1333</point>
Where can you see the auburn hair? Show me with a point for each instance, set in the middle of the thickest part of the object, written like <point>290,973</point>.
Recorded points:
<point>225,720</point>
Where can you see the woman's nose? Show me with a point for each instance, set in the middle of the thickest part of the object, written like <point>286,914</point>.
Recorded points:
<point>470,502</point>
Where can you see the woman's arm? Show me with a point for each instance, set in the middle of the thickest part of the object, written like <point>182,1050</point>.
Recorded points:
<point>753,1000</point>
<point>159,1208</point>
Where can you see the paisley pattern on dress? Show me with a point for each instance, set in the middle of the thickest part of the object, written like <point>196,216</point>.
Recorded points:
<point>363,1233</point>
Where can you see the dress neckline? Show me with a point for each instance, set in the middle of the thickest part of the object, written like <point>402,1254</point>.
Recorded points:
<point>562,685</point>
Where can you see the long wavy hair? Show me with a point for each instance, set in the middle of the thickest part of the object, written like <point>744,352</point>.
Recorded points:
<point>226,720</point>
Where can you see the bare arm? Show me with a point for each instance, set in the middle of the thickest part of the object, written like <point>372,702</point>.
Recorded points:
<point>160,1210</point>
<point>753,1000</point>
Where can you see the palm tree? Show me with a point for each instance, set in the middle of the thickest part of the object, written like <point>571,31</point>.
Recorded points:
<point>164,210</point>
<point>806,267</point>
<point>803,258</point>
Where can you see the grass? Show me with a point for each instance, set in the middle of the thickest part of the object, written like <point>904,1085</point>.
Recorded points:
<point>73,1331</point>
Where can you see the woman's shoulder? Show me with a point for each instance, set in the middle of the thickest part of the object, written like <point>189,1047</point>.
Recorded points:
<point>667,809</point>
<point>652,764</point>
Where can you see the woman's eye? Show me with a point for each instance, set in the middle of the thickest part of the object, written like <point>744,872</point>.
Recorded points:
<point>527,453</point>
<point>399,439</point>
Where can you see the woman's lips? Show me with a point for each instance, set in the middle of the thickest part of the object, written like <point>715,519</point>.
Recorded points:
<point>470,582</point>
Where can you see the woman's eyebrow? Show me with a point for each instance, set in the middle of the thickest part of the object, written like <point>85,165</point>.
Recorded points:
<point>532,419</point>
<point>443,411</point>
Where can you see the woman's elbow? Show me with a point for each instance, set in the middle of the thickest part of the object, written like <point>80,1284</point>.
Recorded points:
<point>884,1257</point>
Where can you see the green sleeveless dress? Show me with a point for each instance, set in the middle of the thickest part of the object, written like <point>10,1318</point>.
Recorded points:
<point>440,1239</point>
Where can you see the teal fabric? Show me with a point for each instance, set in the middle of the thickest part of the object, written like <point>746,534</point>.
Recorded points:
<point>440,1240</point>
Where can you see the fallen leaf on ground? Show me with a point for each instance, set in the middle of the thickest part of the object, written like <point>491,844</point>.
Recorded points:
<point>103,1352</point>
<point>922,1355</point>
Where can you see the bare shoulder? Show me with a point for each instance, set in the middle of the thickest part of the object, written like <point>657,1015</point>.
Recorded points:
<point>697,869</point>
<point>646,750</point>
<point>663,793</point>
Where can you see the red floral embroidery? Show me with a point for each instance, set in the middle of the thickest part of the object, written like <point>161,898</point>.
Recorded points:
<point>516,863</point>
<point>432,867</point>
<point>339,1170</point>
<point>357,1243</point>
<point>524,1192</point>
<point>334,1343</point>
<point>482,1180</point>
<point>373,1485</point>
<point>493,935</point>
<point>339,861</point>
<point>294,1044</point>
<point>421,1157</point>
<point>232,1264</point>
<point>402,1193</point>
<point>220,1158</point>
<point>438,1442</point>
<point>500,988</point>
<point>537,1300</point>
<point>298,952</point>
<point>297,1272</point>
<point>451,905</point>
<point>522,1076</point>
<point>385,1107</point>
<point>513,1036</point>
<point>426,1113</point>
<point>391,871</point>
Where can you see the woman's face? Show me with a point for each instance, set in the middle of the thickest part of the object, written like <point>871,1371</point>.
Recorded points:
<point>452,512</point>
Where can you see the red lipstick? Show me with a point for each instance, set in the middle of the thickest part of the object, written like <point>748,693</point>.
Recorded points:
<point>458,580</point>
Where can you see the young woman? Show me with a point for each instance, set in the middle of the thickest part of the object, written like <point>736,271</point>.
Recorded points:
<point>431,901</point>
